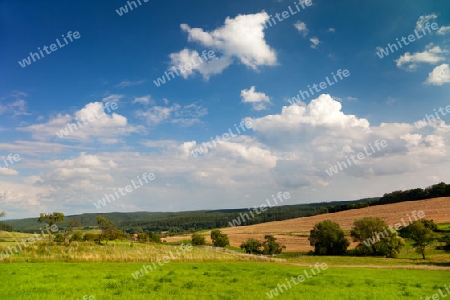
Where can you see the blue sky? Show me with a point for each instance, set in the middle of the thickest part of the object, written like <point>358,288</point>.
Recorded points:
<point>253,73</point>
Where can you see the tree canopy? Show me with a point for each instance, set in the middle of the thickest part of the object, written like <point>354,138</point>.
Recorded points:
<point>328,238</point>
<point>421,234</point>
<point>375,238</point>
<point>219,239</point>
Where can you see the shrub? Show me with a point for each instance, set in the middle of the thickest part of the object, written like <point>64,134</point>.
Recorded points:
<point>76,237</point>
<point>92,237</point>
<point>59,238</point>
<point>219,239</point>
<point>149,237</point>
<point>270,245</point>
<point>252,246</point>
<point>198,240</point>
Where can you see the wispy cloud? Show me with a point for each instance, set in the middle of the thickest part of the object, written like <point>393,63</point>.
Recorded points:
<point>186,115</point>
<point>14,104</point>
<point>127,83</point>
<point>315,42</point>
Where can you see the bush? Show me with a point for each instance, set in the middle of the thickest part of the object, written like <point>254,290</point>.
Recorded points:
<point>270,245</point>
<point>76,237</point>
<point>219,239</point>
<point>149,237</point>
<point>198,240</point>
<point>92,237</point>
<point>59,238</point>
<point>252,246</point>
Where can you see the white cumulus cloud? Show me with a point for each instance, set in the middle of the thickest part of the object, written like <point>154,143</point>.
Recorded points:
<point>240,38</point>
<point>431,55</point>
<point>439,76</point>
<point>258,99</point>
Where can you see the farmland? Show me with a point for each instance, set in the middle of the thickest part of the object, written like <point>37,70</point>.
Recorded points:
<point>294,233</point>
<point>116,270</point>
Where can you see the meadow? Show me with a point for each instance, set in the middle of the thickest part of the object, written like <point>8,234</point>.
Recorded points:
<point>115,270</point>
<point>211,280</point>
<point>53,271</point>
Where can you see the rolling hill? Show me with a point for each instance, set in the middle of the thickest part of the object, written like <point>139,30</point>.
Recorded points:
<point>294,233</point>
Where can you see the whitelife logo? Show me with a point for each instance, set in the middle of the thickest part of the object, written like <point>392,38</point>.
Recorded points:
<point>27,61</point>
<point>124,10</point>
<point>90,118</point>
<point>12,159</point>
<point>286,14</point>
<point>378,236</point>
<point>297,280</point>
<point>321,86</point>
<point>28,241</point>
<point>342,165</point>
<point>263,207</point>
<point>128,189</point>
<point>411,38</point>
<point>183,68</point>
<point>430,118</point>
<point>166,259</point>
<point>225,137</point>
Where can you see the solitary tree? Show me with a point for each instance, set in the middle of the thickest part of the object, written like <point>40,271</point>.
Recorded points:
<point>422,236</point>
<point>74,223</point>
<point>328,238</point>
<point>219,239</point>
<point>108,227</point>
<point>51,219</point>
<point>2,214</point>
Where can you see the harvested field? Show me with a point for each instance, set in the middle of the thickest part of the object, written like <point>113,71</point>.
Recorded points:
<point>294,233</point>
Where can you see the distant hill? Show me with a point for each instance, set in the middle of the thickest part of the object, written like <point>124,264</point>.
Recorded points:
<point>294,233</point>
<point>179,222</point>
<point>190,221</point>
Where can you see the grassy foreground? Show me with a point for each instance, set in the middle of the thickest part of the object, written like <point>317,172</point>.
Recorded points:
<point>210,280</point>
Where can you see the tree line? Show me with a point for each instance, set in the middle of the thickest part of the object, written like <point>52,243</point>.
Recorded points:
<point>437,190</point>
<point>374,238</point>
<point>185,222</point>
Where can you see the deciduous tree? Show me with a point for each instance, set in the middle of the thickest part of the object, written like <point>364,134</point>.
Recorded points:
<point>51,219</point>
<point>422,236</point>
<point>74,223</point>
<point>219,239</point>
<point>328,238</point>
<point>252,246</point>
<point>270,245</point>
<point>375,238</point>
<point>198,240</point>
<point>108,227</point>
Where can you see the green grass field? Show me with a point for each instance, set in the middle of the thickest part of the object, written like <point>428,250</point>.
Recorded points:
<point>50,271</point>
<point>230,280</point>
